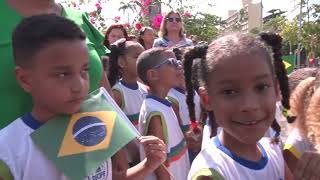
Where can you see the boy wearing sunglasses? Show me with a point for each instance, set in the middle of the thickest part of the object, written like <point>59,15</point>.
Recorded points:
<point>159,69</point>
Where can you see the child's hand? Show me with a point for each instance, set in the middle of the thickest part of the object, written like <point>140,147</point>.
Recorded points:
<point>156,151</point>
<point>194,139</point>
<point>308,167</point>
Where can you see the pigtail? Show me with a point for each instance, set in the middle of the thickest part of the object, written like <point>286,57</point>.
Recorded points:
<point>274,41</point>
<point>114,73</point>
<point>312,122</point>
<point>299,101</point>
<point>196,52</point>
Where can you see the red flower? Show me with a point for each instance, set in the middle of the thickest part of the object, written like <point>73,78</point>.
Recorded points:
<point>98,6</point>
<point>187,14</point>
<point>117,18</point>
<point>138,25</point>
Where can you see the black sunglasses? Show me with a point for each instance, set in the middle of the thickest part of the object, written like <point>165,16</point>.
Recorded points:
<point>171,61</point>
<point>171,19</point>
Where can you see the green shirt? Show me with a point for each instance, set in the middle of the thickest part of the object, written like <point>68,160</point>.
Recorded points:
<point>14,102</point>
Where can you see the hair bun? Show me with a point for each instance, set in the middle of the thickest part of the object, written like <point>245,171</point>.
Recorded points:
<point>272,39</point>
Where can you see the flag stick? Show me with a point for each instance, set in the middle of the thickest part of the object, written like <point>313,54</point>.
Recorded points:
<point>121,113</point>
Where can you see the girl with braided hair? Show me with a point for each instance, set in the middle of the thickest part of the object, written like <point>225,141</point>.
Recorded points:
<point>244,76</point>
<point>126,90</point>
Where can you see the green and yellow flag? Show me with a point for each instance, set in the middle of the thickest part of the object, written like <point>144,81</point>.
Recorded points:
<point>80,143</point>
<point>289,63</point>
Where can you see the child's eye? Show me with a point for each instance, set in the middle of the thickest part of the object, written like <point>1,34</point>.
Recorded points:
<point>262,87</point>
<point>228,92</point>
<point>62,74</point>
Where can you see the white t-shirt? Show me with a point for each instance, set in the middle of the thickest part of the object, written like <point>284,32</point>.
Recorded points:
<point>216,160</point>
<point>297,144</point>
<point>178,97</point>
<point>177,154</point>
<point>26,161</point>
<point>132,98</point>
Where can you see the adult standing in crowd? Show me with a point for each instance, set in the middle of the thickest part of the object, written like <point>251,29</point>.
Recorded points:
<point>146,37</point>
<point>172,32</point>
<point>114,33</point>
<point>14,101</point>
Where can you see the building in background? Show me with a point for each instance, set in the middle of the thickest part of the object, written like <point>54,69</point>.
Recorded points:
<point>247,18</point>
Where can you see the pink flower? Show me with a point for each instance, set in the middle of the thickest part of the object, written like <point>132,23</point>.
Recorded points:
<point>187,14</point>
<point>98,6</point>
<point>138,25</point>
<point>156,22</point>
<point>117,18</point>
<point>144,11</point>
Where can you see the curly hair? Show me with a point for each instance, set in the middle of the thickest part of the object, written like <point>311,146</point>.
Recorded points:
<point>114,26</point>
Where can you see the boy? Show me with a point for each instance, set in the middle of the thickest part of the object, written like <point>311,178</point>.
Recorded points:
<point>52,65</point>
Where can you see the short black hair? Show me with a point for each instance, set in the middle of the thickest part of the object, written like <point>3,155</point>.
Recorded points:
<point>147,60</point>
<point>35,33</point>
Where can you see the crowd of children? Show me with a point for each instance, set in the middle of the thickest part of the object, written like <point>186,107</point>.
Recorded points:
<point>203,111</point>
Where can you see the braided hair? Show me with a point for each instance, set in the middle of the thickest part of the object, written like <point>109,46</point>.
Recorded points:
<point>117,49</point>
<point>195,52</point>
<point>268,44</point>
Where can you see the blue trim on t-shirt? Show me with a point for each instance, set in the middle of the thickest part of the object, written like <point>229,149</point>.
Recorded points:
<point>130,86</point>
<point>30,121</point>
<point>180,90</point>
<point>254,165</point>
<point>163,101</point>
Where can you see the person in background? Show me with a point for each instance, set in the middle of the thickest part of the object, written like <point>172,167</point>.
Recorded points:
<point>14,101</point>
<point>172,32</point>
<point>146,37</point>
<point>114,33</point>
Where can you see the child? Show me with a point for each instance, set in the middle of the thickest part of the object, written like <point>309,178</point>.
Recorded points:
<point>157,68</point>
<point>301,82</point>
<point>177,96</point>
<point>308,165</point>
<point>52,65</point>
<point>240,76</point>
<point>127,91</point>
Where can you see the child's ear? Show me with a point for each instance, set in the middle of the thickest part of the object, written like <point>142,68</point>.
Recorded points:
<point>152,75</point>
<point>204,98</point>
<point>121,61</point>
<point>23,78</point>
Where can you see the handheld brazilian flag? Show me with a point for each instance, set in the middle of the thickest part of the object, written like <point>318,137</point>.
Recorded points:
<point>80,143</point>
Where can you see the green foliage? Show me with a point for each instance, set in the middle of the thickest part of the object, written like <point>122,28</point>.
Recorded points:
<point>203,25</point>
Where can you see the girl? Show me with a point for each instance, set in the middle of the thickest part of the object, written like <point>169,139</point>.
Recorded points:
<point>146,37</point>
<point>240,76</point>
<point>297,142</point>
<point>177,97</point>
<point>157,68</point>
<point>114,33</point>
<point>127,91</point>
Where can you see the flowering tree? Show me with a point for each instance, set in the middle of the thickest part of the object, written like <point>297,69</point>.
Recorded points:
<point>147,13</point>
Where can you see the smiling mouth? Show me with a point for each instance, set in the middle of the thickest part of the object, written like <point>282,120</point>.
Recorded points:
<point>249,123</point>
